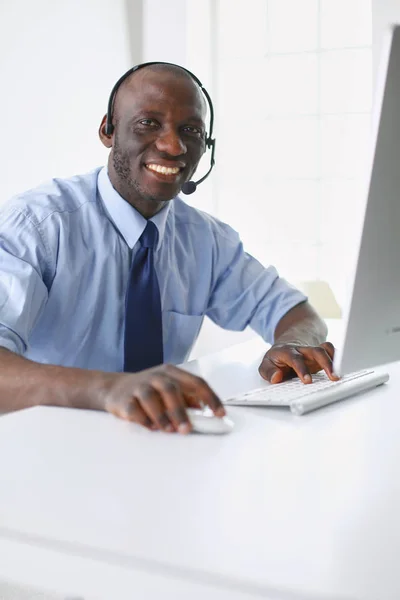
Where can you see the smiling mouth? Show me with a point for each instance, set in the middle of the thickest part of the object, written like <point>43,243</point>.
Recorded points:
<point>164,173</point>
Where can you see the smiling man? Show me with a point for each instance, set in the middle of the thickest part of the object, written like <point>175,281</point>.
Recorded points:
<point>105,278</point>
<point>148,165</point>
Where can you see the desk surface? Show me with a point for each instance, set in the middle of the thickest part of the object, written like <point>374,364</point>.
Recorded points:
<point>290,507</point>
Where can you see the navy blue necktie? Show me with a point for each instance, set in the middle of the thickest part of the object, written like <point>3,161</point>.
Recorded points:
<point>143,320</point>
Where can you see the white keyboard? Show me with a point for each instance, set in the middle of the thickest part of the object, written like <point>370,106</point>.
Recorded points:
<point>303,398</point>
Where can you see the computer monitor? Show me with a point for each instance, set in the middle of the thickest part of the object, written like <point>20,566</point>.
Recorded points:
<point>372,316</point>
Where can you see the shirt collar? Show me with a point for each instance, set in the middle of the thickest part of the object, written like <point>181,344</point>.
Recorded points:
<point>129,222</point>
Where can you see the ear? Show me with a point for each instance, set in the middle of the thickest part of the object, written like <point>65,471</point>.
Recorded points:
<point>106,139</point>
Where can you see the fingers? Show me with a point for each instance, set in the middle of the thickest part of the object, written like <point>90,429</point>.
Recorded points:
<point>155,409</point>
<point>318,358</point>
<point>295,360</point>
<point>281,362</point>
<point>172,398</point>
<point>157,398</point>
<point>330,349</point>
<point>300,367</point>
<point>130,410</point>
<point>324,355</point>
<point>152,405</point>
<point>195,390</point>
<point>290,363</point>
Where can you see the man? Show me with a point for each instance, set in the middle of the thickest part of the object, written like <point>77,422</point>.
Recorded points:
<point>87,264</point>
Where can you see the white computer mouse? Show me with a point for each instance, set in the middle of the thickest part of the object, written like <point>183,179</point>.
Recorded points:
<point>204,421</point>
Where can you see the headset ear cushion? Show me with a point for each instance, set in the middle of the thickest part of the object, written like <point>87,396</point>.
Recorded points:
<point>208,142</point>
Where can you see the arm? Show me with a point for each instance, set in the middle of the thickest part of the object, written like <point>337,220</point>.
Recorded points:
<point>299,347</point>
<point>301,325</point>
<point>246,293</point>
<point>156,398</point>
<point>24,383</point>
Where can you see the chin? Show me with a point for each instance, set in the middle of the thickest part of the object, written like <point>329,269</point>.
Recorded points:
<point>162,195</point>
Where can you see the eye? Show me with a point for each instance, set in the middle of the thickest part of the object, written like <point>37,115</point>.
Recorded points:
<point>148,123</point>
<point>192,130</point>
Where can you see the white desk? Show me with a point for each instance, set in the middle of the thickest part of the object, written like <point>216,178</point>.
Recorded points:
<point>32,571</point>
<point>285,507</point>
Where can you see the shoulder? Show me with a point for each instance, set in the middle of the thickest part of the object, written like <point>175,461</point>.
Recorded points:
<point>186,217</point>
<point>54,197</point>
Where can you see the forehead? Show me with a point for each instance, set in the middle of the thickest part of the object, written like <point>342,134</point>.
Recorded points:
<point>160,91</point>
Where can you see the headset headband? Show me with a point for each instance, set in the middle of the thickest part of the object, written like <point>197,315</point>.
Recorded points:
<point>111,101</point>
<point>190,186</point>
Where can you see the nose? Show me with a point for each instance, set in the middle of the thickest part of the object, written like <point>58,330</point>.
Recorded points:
<point>171,143</point>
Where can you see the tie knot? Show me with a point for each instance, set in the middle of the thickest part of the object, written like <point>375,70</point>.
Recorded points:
<point>149,237</point>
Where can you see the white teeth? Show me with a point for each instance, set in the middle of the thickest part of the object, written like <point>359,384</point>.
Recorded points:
<point>164,170</point>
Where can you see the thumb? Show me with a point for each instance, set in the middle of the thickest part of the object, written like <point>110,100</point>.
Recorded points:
<point>269,371</point>
<point>277,376</point>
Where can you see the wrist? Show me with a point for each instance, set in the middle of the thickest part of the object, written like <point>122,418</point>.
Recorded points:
<point>308,332</point>
<point>283,341</point>
<point>76,388</point>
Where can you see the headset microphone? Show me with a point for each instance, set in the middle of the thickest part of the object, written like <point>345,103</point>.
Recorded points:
<point>190,186</point>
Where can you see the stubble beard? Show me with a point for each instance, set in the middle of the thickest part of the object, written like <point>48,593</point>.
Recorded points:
<point>130,187</point>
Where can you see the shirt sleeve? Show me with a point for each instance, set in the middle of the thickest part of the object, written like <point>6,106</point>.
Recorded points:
<point>23,292</point>
<point>244,291</point>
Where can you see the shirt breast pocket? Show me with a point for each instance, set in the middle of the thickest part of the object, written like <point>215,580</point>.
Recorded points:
<point>180,331</point>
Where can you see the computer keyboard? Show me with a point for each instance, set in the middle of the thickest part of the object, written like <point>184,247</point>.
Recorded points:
<point>303,398</point>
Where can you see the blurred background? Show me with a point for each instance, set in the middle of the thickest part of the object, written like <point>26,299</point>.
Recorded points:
<point>292,84</point>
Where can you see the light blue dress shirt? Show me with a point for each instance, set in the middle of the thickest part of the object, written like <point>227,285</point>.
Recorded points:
<point>65,254</point>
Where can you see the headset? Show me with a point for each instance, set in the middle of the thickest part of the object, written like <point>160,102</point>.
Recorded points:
<point>189,186</point>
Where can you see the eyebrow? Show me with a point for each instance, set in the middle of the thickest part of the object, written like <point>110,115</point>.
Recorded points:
<point>157,113</point>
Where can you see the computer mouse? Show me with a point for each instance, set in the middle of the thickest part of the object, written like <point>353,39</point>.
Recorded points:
<point>204,421</point>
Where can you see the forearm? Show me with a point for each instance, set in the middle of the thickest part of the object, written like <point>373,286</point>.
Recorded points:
<point>24,383</point>
<point>302,326</point>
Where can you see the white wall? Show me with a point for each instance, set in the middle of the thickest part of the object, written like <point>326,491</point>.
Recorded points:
<point>179,31</point>
<point>384,13</point>
<point>164,30</point>
<point>58,62</point>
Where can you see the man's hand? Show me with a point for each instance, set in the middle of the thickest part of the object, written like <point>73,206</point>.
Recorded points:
<point>157,398</point>
<point>286,360</point>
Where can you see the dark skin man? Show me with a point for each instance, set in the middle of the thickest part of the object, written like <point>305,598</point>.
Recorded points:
<point>157,143</point>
